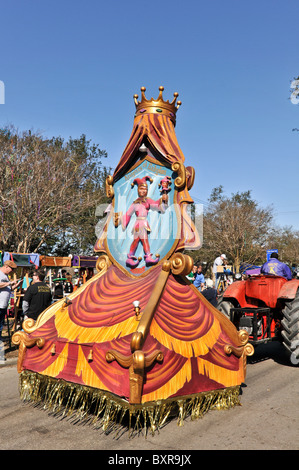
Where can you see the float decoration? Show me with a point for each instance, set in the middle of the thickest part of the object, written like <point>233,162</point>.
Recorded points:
<point>138,342</point>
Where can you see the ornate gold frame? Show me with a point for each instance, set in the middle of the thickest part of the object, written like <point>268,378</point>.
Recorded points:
<point>180,183</point>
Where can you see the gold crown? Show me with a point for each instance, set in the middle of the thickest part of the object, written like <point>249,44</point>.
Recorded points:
<point>158,106</point>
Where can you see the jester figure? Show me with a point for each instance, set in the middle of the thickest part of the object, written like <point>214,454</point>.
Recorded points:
<point>141,207</point>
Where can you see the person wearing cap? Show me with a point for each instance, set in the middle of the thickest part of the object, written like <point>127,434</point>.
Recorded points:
<point>6,286</point>
<point>209,292</point>
<point>276,267</point>
<point>218,262</point>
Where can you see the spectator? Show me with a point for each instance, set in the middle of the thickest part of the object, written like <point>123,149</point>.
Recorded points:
<point>27,279</point>
<point>191,276</point>
<point>226,270</point>
<point>210,293</point>
<point>37,297</point>
<point>78,282</point>
<point>276,267</point>
<point>68,286</point>
<point>58,285</point>
<point>199,280</point>
<point>218,262</point>
<point>6,286</point>
<point>227,274</point>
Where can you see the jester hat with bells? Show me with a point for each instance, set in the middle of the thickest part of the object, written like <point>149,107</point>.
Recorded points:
<point>141,181</point>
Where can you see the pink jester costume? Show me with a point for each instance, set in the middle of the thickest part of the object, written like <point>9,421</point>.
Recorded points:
<point>141,207</point>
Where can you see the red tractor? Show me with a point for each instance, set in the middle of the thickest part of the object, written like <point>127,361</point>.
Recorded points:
<point>267,307</point>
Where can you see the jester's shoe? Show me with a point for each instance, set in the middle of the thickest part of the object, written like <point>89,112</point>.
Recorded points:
<point>150,261</point>
<point>183,356</point>
<point>132,262</point>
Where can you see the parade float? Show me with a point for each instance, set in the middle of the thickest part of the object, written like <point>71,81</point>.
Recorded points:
<point>137,343</point>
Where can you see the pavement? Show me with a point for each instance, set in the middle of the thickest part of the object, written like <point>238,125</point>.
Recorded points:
<point>9,361</point>
<point>8,354</point>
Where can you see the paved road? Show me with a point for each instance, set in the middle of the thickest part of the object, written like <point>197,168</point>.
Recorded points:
<point>267,419</point>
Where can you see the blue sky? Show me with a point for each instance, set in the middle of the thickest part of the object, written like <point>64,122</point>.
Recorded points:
<point>72,68</point>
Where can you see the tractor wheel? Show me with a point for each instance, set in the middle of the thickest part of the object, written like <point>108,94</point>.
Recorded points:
<point>224,306</point>
<point>290,324</point>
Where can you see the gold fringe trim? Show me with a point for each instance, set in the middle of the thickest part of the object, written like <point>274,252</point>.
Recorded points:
<point>114,414</point>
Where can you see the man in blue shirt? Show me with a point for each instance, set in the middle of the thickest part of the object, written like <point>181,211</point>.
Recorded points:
<point>276,267</point>
<point>199,280</point>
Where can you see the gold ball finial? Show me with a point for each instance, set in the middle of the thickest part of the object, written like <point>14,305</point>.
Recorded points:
<point>157,106</point>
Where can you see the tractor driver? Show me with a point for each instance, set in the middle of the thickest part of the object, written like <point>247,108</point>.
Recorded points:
<point>276,267</point>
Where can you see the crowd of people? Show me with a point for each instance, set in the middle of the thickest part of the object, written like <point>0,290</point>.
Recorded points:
<point>208,286</point>
<point>38,288</point>
<point>6,287</point>
<point>205,286</point>
<point>38,292</point>
<point>211,286</point>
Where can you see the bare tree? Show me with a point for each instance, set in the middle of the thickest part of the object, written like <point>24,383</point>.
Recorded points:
<point>286,241</point>
<point>47,186</point>
<point>236,226</point>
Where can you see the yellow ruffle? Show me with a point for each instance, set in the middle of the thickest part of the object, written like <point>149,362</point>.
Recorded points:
<point>58,365</point>
<point>172,386</point>
<point>73,332</point>
<point>197,347</point>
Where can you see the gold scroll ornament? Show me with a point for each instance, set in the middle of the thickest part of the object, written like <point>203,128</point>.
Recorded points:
<point>21,339</point>
<point>138,362</point>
